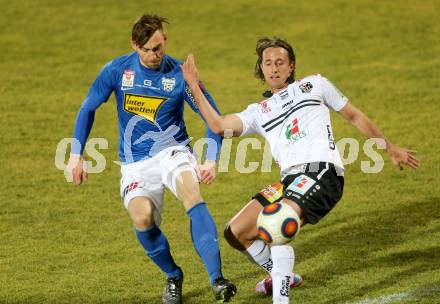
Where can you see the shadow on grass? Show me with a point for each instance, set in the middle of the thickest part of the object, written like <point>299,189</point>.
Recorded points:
<point>251,273</point>
<point>368,242</point>
<point>358,244</point>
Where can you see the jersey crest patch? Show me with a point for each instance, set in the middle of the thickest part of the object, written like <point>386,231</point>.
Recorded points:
<point>145,106</point>
<point>168,84</point>
<point>306,87</point>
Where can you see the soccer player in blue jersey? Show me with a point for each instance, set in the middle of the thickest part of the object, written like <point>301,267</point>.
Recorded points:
<point>154,150</point>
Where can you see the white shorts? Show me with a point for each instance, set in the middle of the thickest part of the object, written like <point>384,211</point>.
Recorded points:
<point>149,177</point>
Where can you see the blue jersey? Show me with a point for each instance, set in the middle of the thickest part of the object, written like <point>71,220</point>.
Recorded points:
<point>150,107</point>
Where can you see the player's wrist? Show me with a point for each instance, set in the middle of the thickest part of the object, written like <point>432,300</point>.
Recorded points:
<point>75,156</point>
<point>194,84</point>
<point>390,147</point>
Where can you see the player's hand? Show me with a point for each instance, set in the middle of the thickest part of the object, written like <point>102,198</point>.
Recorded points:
<point>401,156</point>
<point>189,70</point>
<point>207,172</point>
<point>77,168</point>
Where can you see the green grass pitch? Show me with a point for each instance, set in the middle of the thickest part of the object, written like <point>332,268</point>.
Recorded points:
<point>65,244</point>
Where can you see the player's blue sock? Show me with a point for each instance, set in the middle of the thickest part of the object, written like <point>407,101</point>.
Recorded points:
<point>157,248</point>
<point>205,238</point>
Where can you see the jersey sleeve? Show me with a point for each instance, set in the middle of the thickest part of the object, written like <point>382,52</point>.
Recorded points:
<point>99,92</point>
<point>333,98</point>
<point>213,140</point>
<point>249,119</point>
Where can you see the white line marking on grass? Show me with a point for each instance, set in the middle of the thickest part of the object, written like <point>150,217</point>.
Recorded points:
<point>387,299</point>
<point>395,297</point>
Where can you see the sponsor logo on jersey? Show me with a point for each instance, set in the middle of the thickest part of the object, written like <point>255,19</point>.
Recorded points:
<point>127,79</point>
<point>286,104</point>
<point>301,184</point>
<point>168,84</point>
<point>331,141</point>
<point>293,134</point>
<point>306,87</point>
<point>145,106</point>
<point>147,84</point>
<point>264,107</point>
<point>126,88</point>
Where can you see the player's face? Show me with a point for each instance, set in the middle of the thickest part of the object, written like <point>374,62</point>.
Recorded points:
<point>276,67</point>
<point>152,52</point>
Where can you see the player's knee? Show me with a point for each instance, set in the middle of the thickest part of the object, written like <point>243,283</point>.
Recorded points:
<point>191,199</point>
<point>194,197</point>
<point>143,221</point>
<point>141,212</point>
<point>231,238</point>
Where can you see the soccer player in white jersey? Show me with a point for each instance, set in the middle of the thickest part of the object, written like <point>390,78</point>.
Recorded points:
<point>295,118</point>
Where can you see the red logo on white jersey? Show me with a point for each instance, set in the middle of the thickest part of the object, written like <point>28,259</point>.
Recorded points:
<point>264,107</point>
<point>292,133</point>
<point>295,128</point>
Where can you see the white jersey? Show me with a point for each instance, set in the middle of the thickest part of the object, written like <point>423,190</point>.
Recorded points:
<point>296,122</point>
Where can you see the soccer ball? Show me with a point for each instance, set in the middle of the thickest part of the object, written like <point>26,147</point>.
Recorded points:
<point>278,224</point>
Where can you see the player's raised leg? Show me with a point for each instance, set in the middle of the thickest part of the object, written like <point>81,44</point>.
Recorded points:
<point>155,243</point>
<point>203,233</point>
<point>242,234</point>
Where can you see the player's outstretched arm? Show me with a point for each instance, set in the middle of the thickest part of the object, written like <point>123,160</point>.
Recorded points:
<point>99,92</point>
<point>77,166</point>
<point>399,156</point>
<point>218,124</point>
